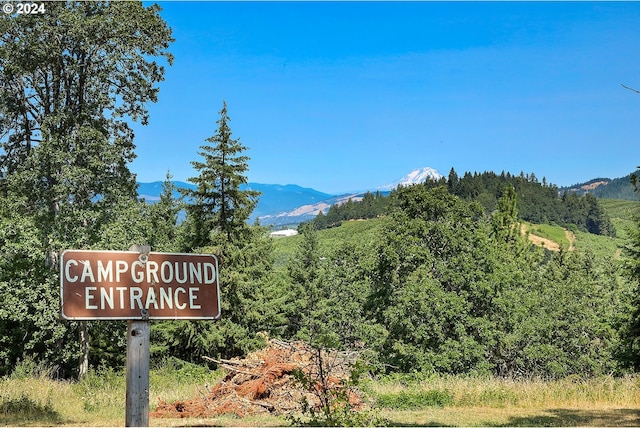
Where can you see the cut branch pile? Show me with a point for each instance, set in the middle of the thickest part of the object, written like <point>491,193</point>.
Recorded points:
<point>264,382</point>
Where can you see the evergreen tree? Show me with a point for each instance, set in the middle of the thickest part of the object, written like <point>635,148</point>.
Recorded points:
<point>216,223</point>
<point>219,205</point>
<point>453,181</point>
<point>163,216</point>
<point>505,220</point>
<point>632,250</point>
<point>305,272</point>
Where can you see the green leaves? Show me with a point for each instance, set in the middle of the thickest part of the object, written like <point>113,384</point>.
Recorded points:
<point>454,296</point>
<point>70,80</point>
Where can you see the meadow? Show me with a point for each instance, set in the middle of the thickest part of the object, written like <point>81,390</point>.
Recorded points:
<point>34,399</point>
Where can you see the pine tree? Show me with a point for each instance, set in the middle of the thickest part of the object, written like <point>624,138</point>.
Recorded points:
<point>305,271</point>
<point>219,204</point>
<point>163,217</point>
<point>505,220</point>
<point>632,250</point>
<point>453,181</point>
<point>217,213</point>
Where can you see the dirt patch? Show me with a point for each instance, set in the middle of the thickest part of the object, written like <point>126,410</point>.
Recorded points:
<point>540,241</point>
<point>594,185</point>
<point>548,243</point>
<point>264,382</point>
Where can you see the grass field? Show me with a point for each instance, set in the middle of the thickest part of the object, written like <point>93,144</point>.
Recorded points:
<point>365,233</point>
<point>621,209</point>
<point>439,401</point>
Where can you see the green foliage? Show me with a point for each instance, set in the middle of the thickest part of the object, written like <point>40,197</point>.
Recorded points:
<point>370,206</point>
<point>631,353</point>
<point>454,300</point>
<point>415,400</point>
<point>26,409</point>
<point>29,368</point>
<point>217,212</point>
<point>440,293</point>
<point>163,219</point>
<point>70,82</point>
<point>537,202</point>
<point>327,294</point>
<point>175,370</point>
<point>431,305</point>
<point>566,321</point>
<point>617,188</point>
<point>505,220</point>
<point>251,300</point>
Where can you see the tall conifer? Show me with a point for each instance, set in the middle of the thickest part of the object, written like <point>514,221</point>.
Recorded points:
<point>219,204</point>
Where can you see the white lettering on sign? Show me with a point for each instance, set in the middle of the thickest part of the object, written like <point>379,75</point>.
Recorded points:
<point>167,298</point>
<point>87,273</point>
<point>121,267</point>
<point>150,272</point>
<point>88,296</point>
<point>67,268</point>
<point>105,273</point>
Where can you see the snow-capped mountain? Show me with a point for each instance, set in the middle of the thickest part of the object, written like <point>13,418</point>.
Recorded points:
<point>416,176</point>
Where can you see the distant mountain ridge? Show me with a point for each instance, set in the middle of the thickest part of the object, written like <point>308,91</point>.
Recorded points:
<point>291,204</point>
<point>605,188</point>
<point>274,198</point>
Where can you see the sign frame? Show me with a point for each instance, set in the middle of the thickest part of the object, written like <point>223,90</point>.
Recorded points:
<point>69,310</point>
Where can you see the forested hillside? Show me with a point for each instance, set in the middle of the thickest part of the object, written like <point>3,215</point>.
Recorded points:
<point>617,188</point>
<point>450,289</point>
<point>538,202</point>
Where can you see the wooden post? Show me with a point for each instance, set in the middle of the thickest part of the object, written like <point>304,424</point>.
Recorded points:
<point>137,412</point>
<point>138,332</point>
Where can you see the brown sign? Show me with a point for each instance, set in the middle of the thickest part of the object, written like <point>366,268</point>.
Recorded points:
<point>127,285</point>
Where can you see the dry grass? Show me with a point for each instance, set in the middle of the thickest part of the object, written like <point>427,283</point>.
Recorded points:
<point>572,392</point>
<point>605,401</point>
<point>99,401</point>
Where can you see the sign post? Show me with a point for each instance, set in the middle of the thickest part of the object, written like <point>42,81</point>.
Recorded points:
<point>138,360</point>
<point>138,286</point>
<point>137,398</point>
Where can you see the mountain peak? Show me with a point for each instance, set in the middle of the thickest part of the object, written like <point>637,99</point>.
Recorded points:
<point>419,175</point>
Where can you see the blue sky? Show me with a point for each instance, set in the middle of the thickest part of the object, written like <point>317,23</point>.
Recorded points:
<point>343,96</point>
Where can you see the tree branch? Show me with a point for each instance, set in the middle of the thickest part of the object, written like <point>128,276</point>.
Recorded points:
<point>631,89</point>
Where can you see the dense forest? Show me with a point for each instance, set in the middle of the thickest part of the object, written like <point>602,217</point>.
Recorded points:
<point>446,284</point>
